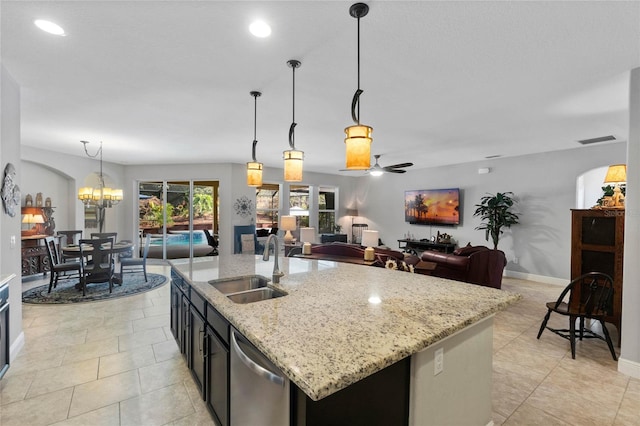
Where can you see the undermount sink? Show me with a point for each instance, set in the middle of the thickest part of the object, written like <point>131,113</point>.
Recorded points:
<point>238,284</point>
<point>255,295</point>
<point>246,289</point>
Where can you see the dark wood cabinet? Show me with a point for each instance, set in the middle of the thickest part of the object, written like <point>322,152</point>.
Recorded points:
<point>202,335</point>
<point>597,244</point>
<point>35,259</point>
<point>217,377</point>
<point>4,328</point>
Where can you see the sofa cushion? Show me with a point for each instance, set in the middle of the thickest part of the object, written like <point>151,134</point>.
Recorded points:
<point>468,250</point>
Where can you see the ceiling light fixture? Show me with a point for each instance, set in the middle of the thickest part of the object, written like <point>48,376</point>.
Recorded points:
<point>254,169</point>
<point>260,29</point>
<point>358,140</point>
<point>102,196</point>
<point>293,158</point>
<point>49,27</point>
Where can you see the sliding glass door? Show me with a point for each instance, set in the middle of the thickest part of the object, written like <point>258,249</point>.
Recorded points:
<point>181,216</point>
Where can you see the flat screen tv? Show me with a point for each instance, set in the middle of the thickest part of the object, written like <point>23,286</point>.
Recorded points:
<point>432,206</point>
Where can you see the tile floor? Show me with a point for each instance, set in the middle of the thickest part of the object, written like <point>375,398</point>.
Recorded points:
<point>116,363</point>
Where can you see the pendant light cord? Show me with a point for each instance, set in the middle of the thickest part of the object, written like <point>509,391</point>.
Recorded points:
<point>255,120</point>
<point>293,64</point>
<point>355,103</point>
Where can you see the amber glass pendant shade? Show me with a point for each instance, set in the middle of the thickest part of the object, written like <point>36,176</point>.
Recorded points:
<point>254,174</point>
<point>358,147</point>
<point>293,160</point>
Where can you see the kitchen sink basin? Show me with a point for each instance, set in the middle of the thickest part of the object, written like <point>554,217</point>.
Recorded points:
<point>238,284</point>
<point>256,295</point>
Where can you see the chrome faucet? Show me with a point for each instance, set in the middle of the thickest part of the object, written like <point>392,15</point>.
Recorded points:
<point>265,256</point>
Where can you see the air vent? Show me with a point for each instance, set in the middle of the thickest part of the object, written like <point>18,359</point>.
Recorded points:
<point>597,140</point>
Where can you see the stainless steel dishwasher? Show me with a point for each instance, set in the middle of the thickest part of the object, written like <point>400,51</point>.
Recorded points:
<point>259,390</point>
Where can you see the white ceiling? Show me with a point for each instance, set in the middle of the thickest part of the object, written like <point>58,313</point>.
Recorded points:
<point>444,82</point>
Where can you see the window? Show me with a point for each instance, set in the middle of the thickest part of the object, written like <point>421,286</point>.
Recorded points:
<point>326,209</point>
<point>267,203</point>
<point>299,204</point>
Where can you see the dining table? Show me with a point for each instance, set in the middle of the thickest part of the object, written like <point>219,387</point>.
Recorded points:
<point>72,250</point>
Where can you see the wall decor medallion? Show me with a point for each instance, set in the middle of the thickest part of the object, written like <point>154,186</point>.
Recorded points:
<point>10,191</point>
<point>243,206</point>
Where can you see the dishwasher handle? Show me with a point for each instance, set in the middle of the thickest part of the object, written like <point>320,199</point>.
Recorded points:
<point>253,366</point>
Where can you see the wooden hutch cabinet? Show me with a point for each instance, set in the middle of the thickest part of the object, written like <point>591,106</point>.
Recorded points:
<point>597,244</point>
<point>35,259</point>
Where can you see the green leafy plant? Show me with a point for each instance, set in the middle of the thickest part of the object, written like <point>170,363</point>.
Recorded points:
<point>156,214</point>
<point>495,214</point>
<point>607,191</point>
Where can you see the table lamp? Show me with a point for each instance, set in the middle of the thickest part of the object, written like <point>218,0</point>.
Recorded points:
<point>32,219</point>
<point>369,240</point>
<point>616,175</point>
<point>307,236</point>
<point>288,223</point>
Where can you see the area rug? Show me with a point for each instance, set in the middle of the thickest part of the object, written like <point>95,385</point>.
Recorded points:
<point>66,292</point>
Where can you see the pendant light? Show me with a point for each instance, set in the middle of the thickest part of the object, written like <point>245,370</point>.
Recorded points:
<point>293,158</point>
<point>358,137</point>
<point>254,169</point>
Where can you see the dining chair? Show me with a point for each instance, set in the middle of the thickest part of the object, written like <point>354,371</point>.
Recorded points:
<point>59,268</point>
<point>136,264</point>
<point>70,237</point>
<point>113,235</point>
<point>590,296</point>
<point>101,267</point>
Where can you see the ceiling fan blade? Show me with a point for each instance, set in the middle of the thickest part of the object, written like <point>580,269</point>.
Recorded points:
<point>399,166</point>
<point>394,170</point>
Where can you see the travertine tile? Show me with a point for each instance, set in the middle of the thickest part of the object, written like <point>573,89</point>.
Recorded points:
<point>41,410</point>
<point>148,323</point>
<point>29,361</point>
<point>111,329</point>
<point>100,393</point>
<point>14,388</point>
<point>201,418</point>
<point>62,377</point>
<point>106,416</point>
<point>91,350</point>
<point>157,408</point>
<point>532,416</point>
<point>125,361</point>
<point>166,350</point>
<point>147,337</point>
<point>163,374</point>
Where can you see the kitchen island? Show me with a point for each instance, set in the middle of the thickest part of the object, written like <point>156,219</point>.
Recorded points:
<point>340,324</point>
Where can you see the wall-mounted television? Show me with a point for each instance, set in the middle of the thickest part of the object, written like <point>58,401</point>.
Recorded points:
<point>432,206</point>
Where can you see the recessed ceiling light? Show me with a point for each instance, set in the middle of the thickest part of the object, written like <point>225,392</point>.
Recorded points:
<point>260,29</point>
<point>49,27</point>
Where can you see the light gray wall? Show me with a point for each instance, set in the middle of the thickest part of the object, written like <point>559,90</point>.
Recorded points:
<point>630,351</point>
<point>52,184</point>
<point>74,170</point>
<point>233,185</point>
<point>10,262</point>
<point>543,184</point>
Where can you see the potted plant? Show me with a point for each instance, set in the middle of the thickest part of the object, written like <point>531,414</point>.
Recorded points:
<point>494,211</point>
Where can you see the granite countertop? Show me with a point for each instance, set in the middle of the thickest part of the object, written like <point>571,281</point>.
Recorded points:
<point>329,332</point>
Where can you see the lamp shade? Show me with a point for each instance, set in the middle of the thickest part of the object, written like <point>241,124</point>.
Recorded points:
<point>293,160</point>
<point>288,223</point>
<point>32,218</point>
<point>616,173</point>
<point>370,238</point>
<point>358,147</point>
<point>308,235</point>
<point>254,173</point>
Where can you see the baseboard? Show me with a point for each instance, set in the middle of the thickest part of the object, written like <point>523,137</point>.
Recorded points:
<point>538,278</point>
<point>16,347</point>
<point>630,368</point>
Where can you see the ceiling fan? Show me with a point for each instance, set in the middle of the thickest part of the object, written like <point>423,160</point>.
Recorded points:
<point>377,169</point>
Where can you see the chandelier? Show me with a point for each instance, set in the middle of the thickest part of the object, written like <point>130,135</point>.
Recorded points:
<point>102,196</point>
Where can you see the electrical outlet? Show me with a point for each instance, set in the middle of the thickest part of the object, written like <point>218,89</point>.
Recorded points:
<point>516,260</point>
<point>438,361</point>
<point>12,242</point>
